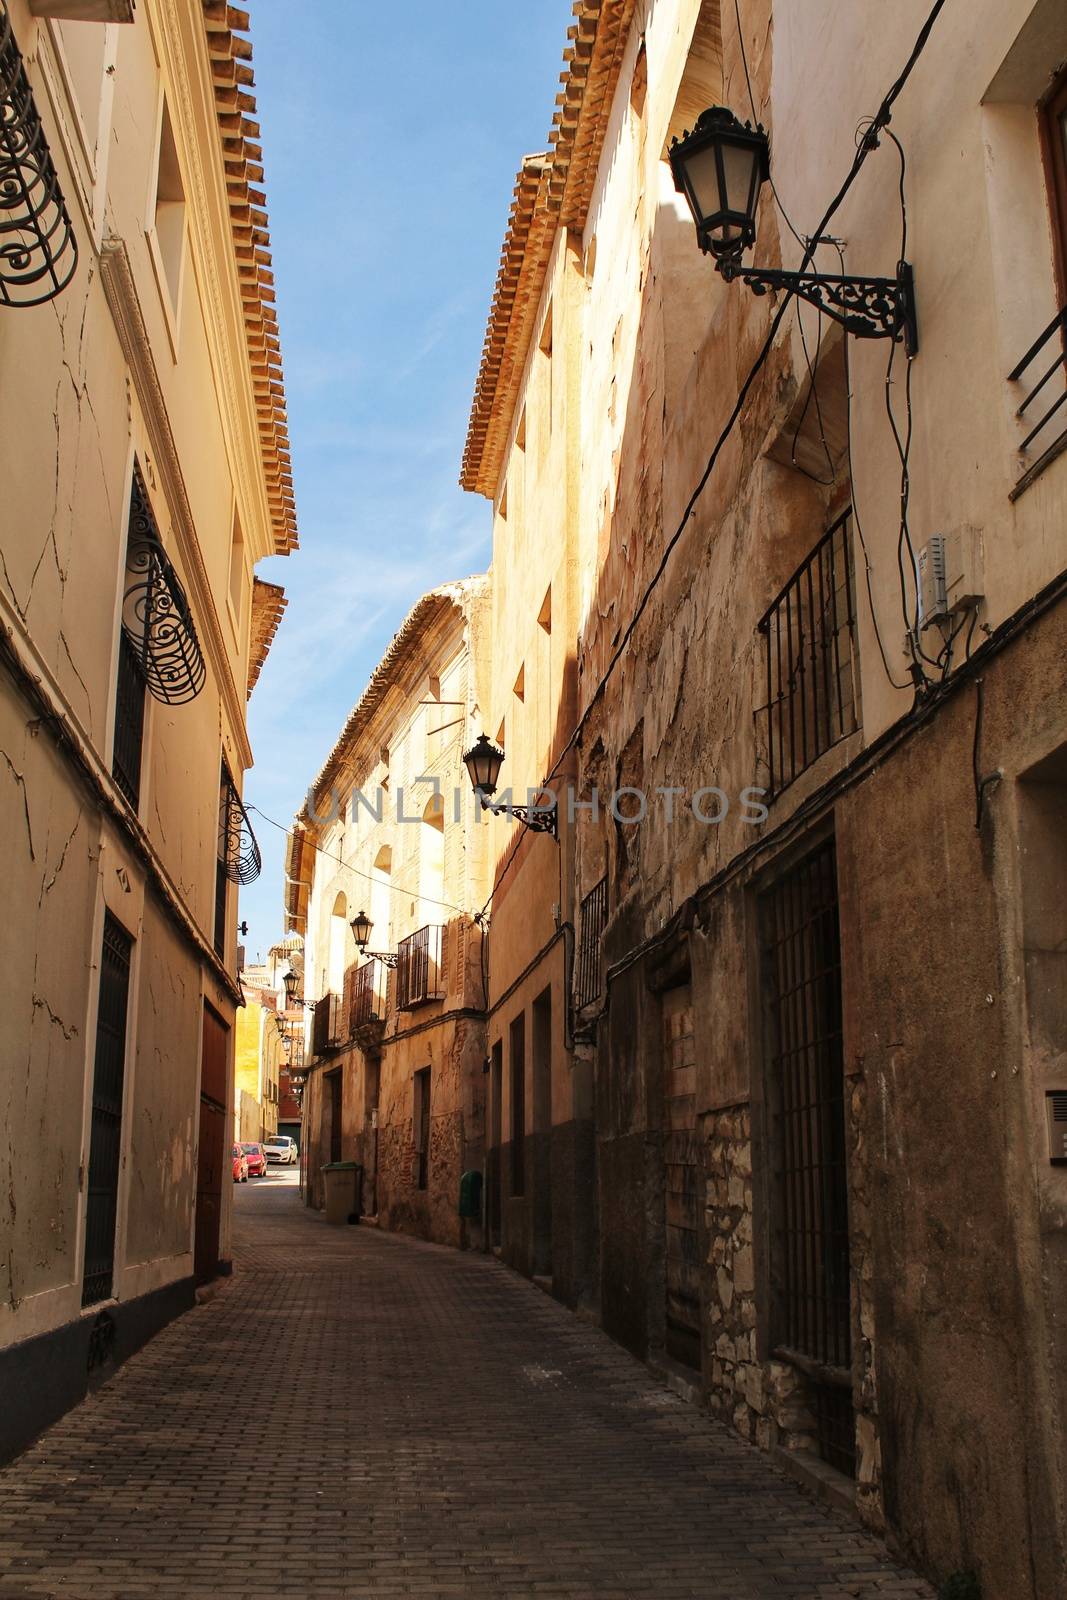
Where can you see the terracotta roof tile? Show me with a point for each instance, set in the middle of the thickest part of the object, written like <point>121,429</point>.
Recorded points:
<point>233,77</point>
<point>552,191</point>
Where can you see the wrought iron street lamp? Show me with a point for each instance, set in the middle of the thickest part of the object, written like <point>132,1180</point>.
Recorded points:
<point>292,983</point>
<point>361,926</point>
<point>483,762</point>
<point>720,168</point>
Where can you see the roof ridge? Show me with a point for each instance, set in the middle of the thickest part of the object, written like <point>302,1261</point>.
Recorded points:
<point>565,175</point>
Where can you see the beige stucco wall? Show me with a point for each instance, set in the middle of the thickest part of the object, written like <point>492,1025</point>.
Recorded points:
<point>105,374</point>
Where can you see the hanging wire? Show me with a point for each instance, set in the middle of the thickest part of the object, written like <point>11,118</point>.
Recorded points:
<point>813,367</point>
<point>393,888</point>
<point>869,143</point>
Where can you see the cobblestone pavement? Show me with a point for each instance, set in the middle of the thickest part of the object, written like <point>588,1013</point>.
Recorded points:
<point>360,1415</point>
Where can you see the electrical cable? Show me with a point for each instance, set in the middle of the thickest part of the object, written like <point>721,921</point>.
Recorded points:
<point>868,570</point>
<point>393,888</point>
<point>813,390</point>
<point>868,143</point>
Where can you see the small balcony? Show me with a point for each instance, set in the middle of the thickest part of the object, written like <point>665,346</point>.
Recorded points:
<point>1042,410</point>
<point>419,969</point>
<point>326,1025</point>
<point>367,987</point>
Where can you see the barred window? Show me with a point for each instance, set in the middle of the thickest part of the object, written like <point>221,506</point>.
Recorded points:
<point>592,920</point>
<point>809,652</point>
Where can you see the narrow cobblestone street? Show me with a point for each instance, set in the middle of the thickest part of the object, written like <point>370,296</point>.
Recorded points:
<point>356,1415</point>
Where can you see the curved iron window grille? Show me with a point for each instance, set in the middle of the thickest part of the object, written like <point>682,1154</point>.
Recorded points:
<point>155,612</point>
<point>238,850</point>
<point>38,250</point>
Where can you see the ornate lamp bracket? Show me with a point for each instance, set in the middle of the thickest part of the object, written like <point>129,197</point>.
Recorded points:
<point>539,819</point>
<point>869,308</point>
<point>386,957</point>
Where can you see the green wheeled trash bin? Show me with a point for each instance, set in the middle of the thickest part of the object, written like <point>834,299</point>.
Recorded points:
<point>344,1191</point>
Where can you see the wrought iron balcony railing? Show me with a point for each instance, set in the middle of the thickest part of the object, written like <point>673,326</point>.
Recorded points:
<point>809,644</point>
<point>419,969</point>
<point>239,854</point>
<point>38,250</point>
<point>367,995</point>
<point>326,1030</point>
<point>156,617</point>
<point>1045,364</point>
<point>594,916</point>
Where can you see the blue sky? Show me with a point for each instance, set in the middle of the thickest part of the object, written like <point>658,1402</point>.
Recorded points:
<point>392,135</point>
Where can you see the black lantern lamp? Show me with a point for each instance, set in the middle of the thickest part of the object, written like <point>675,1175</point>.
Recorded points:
<point>291,980</point>
<point>483,762</point>
<point>720,168</point>
<point>361,926</point>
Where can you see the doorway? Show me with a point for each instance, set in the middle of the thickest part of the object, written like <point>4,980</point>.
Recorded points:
<point>496,1098</point>
<point>811,1310</point>
<point>542,1135</point>
<point>105,1139</point>
<point>211,1151</point>
<point>680,1179</point>
<point>335,1103</point>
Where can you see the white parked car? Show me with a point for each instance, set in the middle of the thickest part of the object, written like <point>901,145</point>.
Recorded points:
<point>282,1149</point>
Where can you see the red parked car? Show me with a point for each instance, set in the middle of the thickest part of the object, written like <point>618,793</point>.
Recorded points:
<point>240,1165</point>
<point>256,1157</point>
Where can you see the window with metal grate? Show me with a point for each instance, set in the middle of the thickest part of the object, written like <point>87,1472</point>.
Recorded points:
<point>809,656</point>
<point>811,1313</point>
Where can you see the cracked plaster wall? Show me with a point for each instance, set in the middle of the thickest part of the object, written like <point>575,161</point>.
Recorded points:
<point>71,421</point>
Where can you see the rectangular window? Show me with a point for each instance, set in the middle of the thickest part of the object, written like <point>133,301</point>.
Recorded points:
<point>421,1127</point>
<point>129,723</point>
<point>237,571</point>
<point>594,916</point>
<point>517,1042</point>
<point>1052,115</point>
<point>544,432</point>
<point>170,208</point>
<point>130,685</point>
<point>809,651</point>
<point>811,1308</point>
<point>105,1139</point>
<point>221,878</point>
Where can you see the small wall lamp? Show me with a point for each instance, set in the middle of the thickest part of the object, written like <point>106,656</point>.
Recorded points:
<point>483,762</point>
<point>720,168</point>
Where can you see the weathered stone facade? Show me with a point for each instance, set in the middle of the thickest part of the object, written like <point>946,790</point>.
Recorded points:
<point>411,852</point>
<point>889,1327</point>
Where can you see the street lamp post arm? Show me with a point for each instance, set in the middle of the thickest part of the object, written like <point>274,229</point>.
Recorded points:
<point>539,819</point>
<point>869,308</point>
